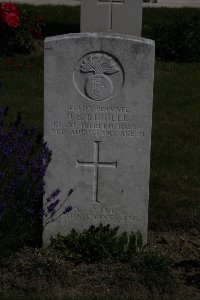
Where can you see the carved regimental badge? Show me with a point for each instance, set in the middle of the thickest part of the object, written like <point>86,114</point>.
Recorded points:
<point>98,76</point>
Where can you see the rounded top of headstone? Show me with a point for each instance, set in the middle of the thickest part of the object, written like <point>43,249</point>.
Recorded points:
<point>99,35</point>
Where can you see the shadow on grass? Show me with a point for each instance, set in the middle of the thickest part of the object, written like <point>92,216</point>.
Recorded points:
<point>52,29</point>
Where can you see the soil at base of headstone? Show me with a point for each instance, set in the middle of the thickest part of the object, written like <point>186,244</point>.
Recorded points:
<point>30,272</point>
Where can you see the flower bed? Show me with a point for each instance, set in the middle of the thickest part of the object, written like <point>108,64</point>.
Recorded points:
<point>20,31</point>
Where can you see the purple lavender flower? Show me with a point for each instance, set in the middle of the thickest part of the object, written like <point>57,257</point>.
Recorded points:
<point>33,131</point>
<point>20,169</point>
<point>67,210</point>
<point>10,188</point>
<point>70,192</point>
<point>53,205</point>
<point>24,158</point>
<point>53,212</point>
<point>42,212</point>
<point>55,194</point>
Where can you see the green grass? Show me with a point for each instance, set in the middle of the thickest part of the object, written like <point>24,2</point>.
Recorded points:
<point>175,160</point>
<point>23,87</point>
<point>156,16</point>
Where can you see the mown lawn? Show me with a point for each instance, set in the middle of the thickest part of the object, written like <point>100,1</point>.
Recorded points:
<point>175,160</point>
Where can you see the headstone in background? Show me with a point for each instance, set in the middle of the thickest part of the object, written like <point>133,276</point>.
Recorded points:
<point>118,16</point>
<point>98,110</point>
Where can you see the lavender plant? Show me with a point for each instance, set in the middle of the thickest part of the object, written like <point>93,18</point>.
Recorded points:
<point>24,158</point>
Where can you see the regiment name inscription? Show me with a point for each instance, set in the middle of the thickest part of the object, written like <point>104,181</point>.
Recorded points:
<point>98,121</point>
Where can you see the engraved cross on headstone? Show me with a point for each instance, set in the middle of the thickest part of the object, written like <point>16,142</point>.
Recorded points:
<point>117,16</point>
<point>96,164</point>
<point>111,3</point>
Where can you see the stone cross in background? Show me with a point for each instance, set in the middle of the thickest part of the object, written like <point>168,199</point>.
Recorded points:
<point>117,16</point>
<point>111,3</point>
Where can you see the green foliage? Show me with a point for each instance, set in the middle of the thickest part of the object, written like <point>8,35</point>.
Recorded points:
<point>179,40</point>
<point>97,244</point>
<point>153,270</point>
<point>176,34</point>
<point>24,38</point>
<point>24,159</point>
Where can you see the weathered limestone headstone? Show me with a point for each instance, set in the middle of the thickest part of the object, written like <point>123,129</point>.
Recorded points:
<point>117,16</point>
<point>98,110</point>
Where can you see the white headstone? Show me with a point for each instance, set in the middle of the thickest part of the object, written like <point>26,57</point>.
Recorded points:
<point>98,110</point>
<point>118,16</point>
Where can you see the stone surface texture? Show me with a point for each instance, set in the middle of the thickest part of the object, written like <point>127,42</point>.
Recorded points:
<point>98,116</point>
<point>118,16</point>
